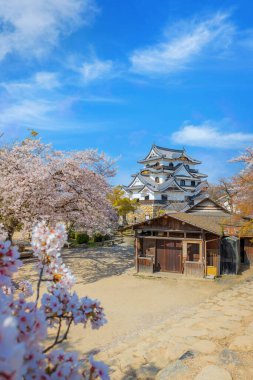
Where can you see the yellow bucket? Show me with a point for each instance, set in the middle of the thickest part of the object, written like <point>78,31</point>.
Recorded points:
<point>211,271</point>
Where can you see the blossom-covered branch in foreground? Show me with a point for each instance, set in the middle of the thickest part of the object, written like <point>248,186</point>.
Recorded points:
<point>24,323</point>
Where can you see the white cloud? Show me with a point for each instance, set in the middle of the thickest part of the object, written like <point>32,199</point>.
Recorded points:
<point>46,80</point>
<point>32,27</point>
<point>100,99</point>
<point>96,69</point>
<point>182,43</point>
<point>41,81</point>
<point>39,103</point>
<point>45,85</point>
<point>211,134</point>
<point>43,115</point>
<point>26,113</point>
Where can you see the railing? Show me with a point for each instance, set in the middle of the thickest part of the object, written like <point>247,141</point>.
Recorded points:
<point>145,264</point>
<point>192,268</point>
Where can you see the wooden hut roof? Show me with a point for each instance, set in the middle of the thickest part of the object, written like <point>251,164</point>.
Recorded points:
<point>210,223</point>
<point>207,222</point>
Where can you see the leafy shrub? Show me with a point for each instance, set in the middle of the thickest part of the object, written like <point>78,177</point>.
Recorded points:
<point>99,237</point>
<point>82,237</point>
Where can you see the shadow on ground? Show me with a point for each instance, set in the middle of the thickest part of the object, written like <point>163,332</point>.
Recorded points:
<point>96,264</point>
<point>88,265</point>
<point>147,371</point>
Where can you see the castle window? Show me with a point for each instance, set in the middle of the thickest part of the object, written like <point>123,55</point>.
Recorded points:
<point>182,182</point>
<point>146,197</point>
<point>164,197</point>
<point>157,179</point>
<point>192,183</point>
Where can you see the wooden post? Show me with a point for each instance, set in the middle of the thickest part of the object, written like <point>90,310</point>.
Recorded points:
<point>205,270</point>
<point>136,244</point>
<point>155,263</point>
<point>202,248</point>
<point>219,258</point>
<point>203,258</point>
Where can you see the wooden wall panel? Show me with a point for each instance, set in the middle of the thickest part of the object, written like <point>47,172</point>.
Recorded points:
<point>248,250</point>
<point>167,223</point>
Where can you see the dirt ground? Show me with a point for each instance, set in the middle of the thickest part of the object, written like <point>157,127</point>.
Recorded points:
<point>133,304</point>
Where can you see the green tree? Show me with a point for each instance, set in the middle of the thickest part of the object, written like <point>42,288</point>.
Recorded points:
<point>121,203</point>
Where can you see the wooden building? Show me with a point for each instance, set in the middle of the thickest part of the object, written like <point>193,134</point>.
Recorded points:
<point>179,242</point>
<point>196,242</point>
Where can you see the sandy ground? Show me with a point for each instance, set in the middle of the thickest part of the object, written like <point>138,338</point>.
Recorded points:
<point>133,304</point>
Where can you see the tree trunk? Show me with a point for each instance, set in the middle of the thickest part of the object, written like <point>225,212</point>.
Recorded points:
<point>10,233</point>
<point>124,219</point>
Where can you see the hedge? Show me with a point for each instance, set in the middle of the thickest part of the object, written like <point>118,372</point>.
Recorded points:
<point>82,237</point>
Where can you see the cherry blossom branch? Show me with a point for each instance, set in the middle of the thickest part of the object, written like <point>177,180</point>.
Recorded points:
<point>65,336</point>
<point>56,338</point>
<point>27,321</point>
<point>57,341</point>
<point>60,316</point>
<point>38,286</point>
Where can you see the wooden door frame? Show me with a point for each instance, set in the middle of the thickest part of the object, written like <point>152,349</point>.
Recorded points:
<point>200,242</point>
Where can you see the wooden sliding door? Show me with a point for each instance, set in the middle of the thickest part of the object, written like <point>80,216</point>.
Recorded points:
<point>169,255</point>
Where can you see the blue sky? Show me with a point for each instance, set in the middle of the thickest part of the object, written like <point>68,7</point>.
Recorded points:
<point>121,75</point>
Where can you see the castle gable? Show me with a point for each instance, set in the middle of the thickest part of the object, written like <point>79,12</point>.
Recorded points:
<point>182,171</point>
<point>152,154</point>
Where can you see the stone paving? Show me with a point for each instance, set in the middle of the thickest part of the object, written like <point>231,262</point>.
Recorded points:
<point>213,340</point>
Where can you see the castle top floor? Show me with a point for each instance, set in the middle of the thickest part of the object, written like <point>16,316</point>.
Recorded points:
<point>166,157</point>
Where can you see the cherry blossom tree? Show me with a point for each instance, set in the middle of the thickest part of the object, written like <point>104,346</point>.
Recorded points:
<point>242,185</point>
<point>224,193</point>
<point>38,183</point>
<point>23,323</point>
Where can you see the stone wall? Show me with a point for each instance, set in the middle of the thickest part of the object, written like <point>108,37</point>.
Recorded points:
<point>152,210</point>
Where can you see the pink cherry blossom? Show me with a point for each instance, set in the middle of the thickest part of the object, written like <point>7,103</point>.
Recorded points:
<point>26,287</point>
<point>23,323</point>
<point>9,263</point>
<point>99,369</point>
<point>11,351</point>
<point>38,183</point>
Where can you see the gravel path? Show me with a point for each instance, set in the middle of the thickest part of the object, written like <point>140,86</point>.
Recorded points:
<point>213,340</point>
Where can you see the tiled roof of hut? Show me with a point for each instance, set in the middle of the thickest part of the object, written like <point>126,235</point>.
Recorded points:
<point>218,224</point>
<point>206,222</point>
<point>212,223</point>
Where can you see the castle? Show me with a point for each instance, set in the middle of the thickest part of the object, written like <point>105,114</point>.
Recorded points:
<point>168,180</point>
